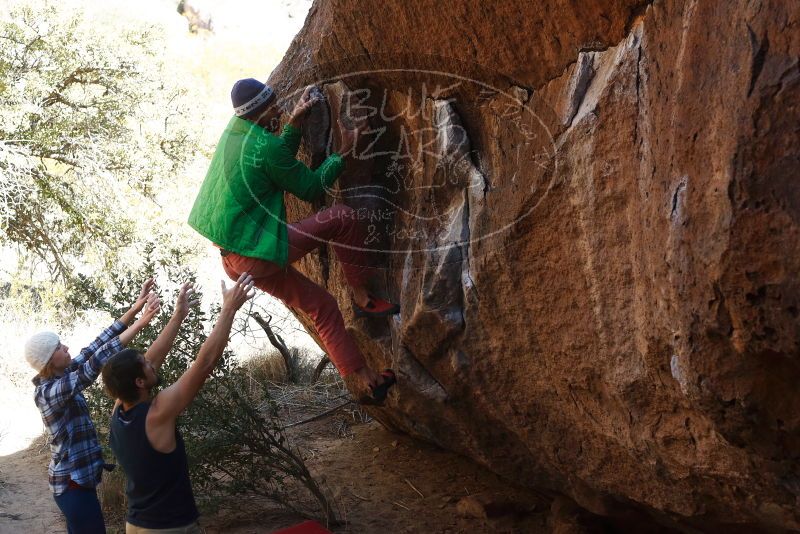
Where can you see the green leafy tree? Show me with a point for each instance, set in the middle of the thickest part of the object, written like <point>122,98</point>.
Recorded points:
<point>89,127</point>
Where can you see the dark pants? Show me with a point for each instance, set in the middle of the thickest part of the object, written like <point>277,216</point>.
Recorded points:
<point>82,510</point>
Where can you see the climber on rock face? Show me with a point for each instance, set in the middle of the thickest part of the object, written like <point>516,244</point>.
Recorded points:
<point>240,208</point>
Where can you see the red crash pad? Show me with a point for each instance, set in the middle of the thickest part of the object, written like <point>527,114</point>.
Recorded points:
<point>307,527</point>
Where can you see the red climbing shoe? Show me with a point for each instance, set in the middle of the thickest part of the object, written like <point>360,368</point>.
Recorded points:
<point>376,307</point>
<point>380,392</point>
<point>307,527</point>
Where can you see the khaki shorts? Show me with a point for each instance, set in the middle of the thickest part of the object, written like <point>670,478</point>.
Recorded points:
<point>194,528</point>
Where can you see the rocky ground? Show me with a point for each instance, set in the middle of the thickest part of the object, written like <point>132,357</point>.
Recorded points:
<point>26,505</point>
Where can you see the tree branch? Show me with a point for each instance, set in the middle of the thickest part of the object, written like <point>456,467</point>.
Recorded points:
<point>278,343</point>
<point>323,363</point>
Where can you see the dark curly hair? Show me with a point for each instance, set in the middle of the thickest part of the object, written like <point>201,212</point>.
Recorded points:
<point>120,373</point>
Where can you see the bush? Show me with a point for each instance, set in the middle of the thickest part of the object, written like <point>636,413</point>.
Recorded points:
<point>240,438</point>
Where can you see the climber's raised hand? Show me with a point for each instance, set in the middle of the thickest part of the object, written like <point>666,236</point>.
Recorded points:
<point>302,107</point>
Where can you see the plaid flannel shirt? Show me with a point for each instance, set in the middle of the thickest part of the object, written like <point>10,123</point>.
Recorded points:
<point>76,453</point>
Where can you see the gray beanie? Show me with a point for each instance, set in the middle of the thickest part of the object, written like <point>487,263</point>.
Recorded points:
<point>40,348</point>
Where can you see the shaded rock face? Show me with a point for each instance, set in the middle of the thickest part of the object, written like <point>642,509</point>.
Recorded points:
<point>590,219</point>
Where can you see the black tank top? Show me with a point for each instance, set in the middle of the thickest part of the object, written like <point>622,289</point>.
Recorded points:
<point>159,491</point>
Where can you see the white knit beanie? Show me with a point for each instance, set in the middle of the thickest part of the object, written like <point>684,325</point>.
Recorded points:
<point>40,348</point>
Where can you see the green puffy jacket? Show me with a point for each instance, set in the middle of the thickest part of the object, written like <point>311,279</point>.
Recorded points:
<point>240,205</point>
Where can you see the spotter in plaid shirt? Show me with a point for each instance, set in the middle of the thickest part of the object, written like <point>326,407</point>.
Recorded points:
<point>76,453</point>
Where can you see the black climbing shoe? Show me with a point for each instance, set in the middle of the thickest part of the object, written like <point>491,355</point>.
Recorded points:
<point>380,391</point>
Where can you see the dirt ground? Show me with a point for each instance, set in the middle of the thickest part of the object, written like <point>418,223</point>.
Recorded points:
<point>385,482</point>
<point>26,504</point>
<point>378,482</point>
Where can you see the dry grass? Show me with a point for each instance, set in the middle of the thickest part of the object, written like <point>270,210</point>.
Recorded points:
<point>294,400</point>
<point>270,367</point>
<point>266,367</point>
<point>298,402</point>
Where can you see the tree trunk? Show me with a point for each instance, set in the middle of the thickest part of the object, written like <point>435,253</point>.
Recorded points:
<point>278,343</point>
<point>323,363</point>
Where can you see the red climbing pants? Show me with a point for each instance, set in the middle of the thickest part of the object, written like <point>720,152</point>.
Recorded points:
<point>336,225</point>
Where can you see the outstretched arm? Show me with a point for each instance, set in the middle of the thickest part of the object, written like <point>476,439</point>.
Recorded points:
<point>173,400</point>
<point>289,174</point>
<point>118,328</point>
<point>78,377</point>
<point>163,343</point>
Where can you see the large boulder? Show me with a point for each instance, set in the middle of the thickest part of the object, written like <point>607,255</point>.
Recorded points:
<point>590,217</point>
